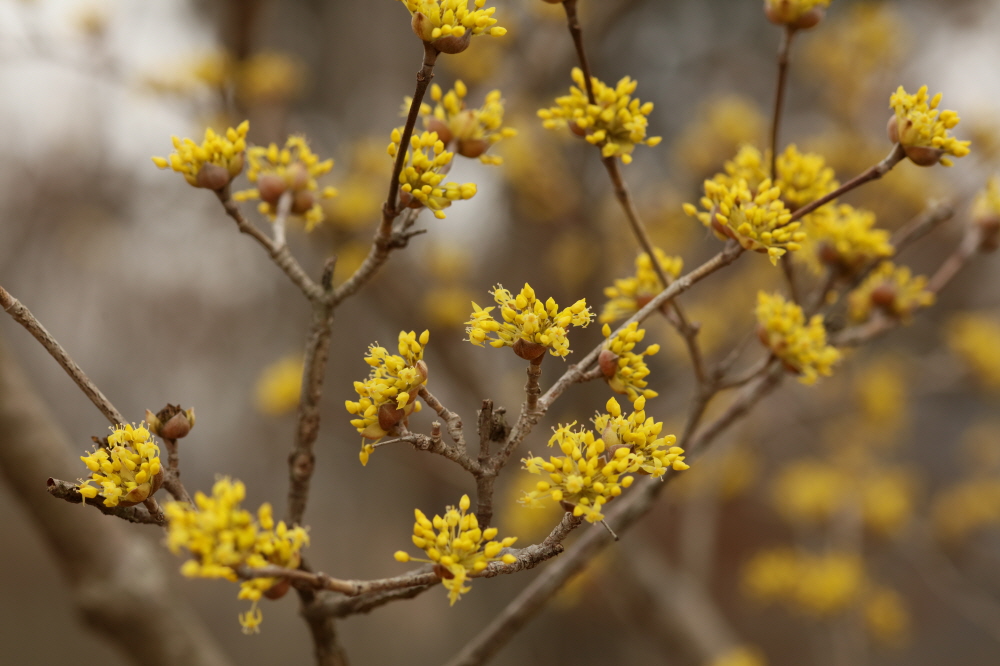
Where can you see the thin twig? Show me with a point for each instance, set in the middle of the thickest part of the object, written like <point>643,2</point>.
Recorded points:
<point>872,173</point>
<point>172,474</point>
<point>69,492</point>
<point>779,95</point>
<point>23,316</point>
<point>573,22</point>
<point>279,253</point>
<point>452,420</point>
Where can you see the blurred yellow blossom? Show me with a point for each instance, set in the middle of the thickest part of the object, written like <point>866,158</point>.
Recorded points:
<point>292,169</point>
<point>967,507</point>
<point>742,655</point>
<point>530,326</point>
<point>389,394</point>
<point>457,546</point>
<point>616,122</point>
<point>986,215</point>
<point>473,131</point>
<point>628,295</point>
<point>886,616</point>
<point>893,290</point>
<point>818,584</point>
<point>801,347</point>
<point>922,130</point>
<point>221,537</point>
<point>721,125</point>
<point>624,370</point>
<point>811,491</point>
<point>280,386</point>
<point>799,14</point>
<point>420,181</point>
<point>127,471</point>
<point>974,337</point>
<point>211,164</point>
<point>844,239</point>
<point>270,77</point>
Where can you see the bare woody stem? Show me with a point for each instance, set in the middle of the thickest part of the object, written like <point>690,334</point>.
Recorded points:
<point>23,316</point>
<point>69,492</point>
<point>779,95</point>
<point>172,475</point>
<point>531,388</point>
<point>576,32</point>
<point>872,173</point>
<point>302,460</point>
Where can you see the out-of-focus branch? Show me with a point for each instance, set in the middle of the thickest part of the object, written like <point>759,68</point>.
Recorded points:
<point>779,95</point>
<point>99,558</point>
<point>23,316</point>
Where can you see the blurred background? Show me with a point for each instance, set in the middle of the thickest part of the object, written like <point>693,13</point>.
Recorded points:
<point>878,490</point>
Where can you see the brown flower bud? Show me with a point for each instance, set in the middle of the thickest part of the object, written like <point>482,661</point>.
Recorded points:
<point>302,202</point>
<point>212,177</point>
<point>529,351</point>
<point>989,232</point>
<point>452,44</point>
<point>607,360</point>
<point>421,368</point>
<point>389,416</point>
<point>171,422</point>
<point>472,148</point>
<point>278,590</point>
<point>271,186</point>
<point>784,12</point>
<point>442,573</point>
<point>440,128</point>
<point>884,296</point>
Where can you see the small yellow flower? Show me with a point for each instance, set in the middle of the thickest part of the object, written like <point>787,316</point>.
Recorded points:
<point>270,77</point>
<point>473,131</point>
<point>844,239</point>
<point>294,169</point>
<point>893,290</point>
<point>802,347</point>
<point>616,123</point>
<point>529,326</point>
<point>922,130</point>
<point>819,584</point>
<point>389,394</point>
<point>973,336</point>
<point>420,181</point>
<point>758,220</point>
<point>630,294</point>
<point>213,163</point>
<point>457,546</point>
<point>623,369</point>
<point>128,471</point>
<point>799,14</point>
<point>449,24</point>
<point>221,536</point>
<point>279,386</point>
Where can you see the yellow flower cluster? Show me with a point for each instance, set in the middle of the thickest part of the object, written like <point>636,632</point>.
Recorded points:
<point>269,77</point>
<point>844,239</point>
<point>886,616</point>
<point>973,336</point>
<point>529,326</point>
<point>648,452</point>
<point>293,169</point>
<point>630,294</point>
<point>893,290</point>
<point>795,13</point>
<point>584,478</point>
<point>457,546</point>
<point>623,369</point>
<point>420,180</point>
<point>211,164</point>
<point>802,177</point>
<point>821,585</point>
<point>589,473</point>
<point>616,123</point>
<point>801,347</point>
<point>221,536</point>
<point>127,471</point>
<point>759,222</point>
<point>389,394</point>
<point>449,24</point>
<point>986,215</point>
<point>922,130</point>
<point>474,131</point>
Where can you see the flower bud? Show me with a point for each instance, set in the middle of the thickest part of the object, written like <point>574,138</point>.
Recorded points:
<point>389,416</point>
<point>440,128</point>
<point>529,351</point>
<point>789,13</point>
<point>452,44</point>
<point>607,360</point>
<point>171,422</point>
<point>212,177</point>
<point>278,590</point>
<point>271,186</point>
<point>472,148</point>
